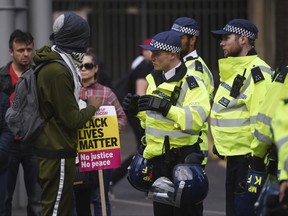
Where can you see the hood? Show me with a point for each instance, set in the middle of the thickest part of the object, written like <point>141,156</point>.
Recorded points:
<point>44,54</point>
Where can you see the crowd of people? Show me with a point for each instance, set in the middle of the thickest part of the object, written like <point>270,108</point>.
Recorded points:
<point>172,105</point>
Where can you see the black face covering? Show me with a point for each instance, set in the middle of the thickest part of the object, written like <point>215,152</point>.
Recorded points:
<point>71,33</point>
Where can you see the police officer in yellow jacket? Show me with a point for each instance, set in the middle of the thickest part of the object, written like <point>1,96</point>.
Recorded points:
<point>176,105</point>
<point>244,79</point>
<point>188,29</point>
<point>280,128</point>
<point>263,143</point>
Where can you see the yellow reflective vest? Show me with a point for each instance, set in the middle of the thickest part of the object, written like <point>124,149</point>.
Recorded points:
<point>198,68</point>
<point>233,119</point>
<point>184,120</point>
<point>263,134</point>
<point>280,127</point>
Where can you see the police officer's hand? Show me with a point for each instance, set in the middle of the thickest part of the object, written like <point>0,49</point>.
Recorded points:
<point>94,101</point>
<point>283,192</point>
<point>149,102</point>
<point>130,104</point>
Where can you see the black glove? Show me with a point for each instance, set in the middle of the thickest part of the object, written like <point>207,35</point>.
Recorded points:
<point>130,104</point>
<point>214,150</point>
<point>149,102</point>
<point>257,164</point>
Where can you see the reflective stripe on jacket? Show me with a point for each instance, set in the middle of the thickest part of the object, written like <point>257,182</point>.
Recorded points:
<point>184,121</point>
<point>233,119</point>
<point>198,68</point>
<point>263,134</point>
<point>280,127</point>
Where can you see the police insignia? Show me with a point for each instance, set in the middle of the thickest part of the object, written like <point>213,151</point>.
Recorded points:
<point>257,74</point>
<point>192,83</point>
<point>198,66</point>
<point>224,101</point>
<point>281,76</point>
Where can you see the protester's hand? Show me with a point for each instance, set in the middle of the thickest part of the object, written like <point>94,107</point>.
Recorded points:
<point>130,104</point>
<point>94,101</point>
<point>150,102</point>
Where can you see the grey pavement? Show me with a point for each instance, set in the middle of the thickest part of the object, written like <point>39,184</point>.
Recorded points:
<point>131,202</point>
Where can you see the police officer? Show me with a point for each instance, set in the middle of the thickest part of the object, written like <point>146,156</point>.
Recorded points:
<point>263,143</point>
<point>174,109</point>
<point>280,127</point>
<point>188,29</point>
<point>244,79</point>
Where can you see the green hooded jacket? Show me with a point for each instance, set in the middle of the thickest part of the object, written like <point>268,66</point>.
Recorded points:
<point>56,98</point>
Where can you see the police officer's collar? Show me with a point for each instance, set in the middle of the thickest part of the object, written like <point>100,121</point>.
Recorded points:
<point>167,75</point>
<point>192,55</point>
<point>180,73</point>
<point>252,52</point>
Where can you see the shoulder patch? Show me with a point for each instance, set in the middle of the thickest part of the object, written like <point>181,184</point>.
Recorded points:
<point>257,74</point>
<point>281,76</point>
<point>192,83</point>
<point>198,66</point>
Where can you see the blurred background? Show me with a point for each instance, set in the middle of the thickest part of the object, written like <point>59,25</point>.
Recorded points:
<point>119,26</point>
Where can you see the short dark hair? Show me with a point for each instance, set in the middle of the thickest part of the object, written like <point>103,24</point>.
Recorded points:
<point>20,36</point>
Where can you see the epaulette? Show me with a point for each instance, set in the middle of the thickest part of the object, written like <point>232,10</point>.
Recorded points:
<point>282,75</point>
<point>198,66</point>
<point>191,81</point>
<point>257,74</point>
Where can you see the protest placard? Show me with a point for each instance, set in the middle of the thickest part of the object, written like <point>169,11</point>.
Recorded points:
<point>99,142</point>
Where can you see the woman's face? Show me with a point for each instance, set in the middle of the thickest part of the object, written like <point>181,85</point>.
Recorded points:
<point>88,69</point>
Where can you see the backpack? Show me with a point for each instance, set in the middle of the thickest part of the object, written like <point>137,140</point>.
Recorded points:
<point>23,117</point>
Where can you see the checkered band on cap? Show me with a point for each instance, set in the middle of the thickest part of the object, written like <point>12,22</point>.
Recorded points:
<point>185,30</point>
<point>240,31</point>
<point>165,47</point>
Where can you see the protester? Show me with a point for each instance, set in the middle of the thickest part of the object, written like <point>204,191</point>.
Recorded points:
<point>20,48</point>
<point>6,138</point>
<point>58,92</point>
<point>90,72</point>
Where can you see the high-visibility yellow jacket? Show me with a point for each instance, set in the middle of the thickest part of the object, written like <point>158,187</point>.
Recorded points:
<point>184,120</point>
<point>198,68</point>
<point>263,134</point>
<point>233,119</point>
<point>280,128</point>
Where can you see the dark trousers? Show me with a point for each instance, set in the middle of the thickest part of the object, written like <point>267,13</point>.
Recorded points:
<point>162,168</point>
<point>236,172</point>
<point>22,153</point>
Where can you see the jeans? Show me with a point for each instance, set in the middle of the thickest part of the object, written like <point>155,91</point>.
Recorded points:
<point>96,197</point>
<point>22,153</point>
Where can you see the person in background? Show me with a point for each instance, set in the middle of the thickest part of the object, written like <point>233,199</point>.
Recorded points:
<point>6,138</point>
<point>20,48</point>
<point>244,78</point>
<point>58,92</point>
<point>90,72</point>
<point>137,84</point>
<point>188,30</point>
